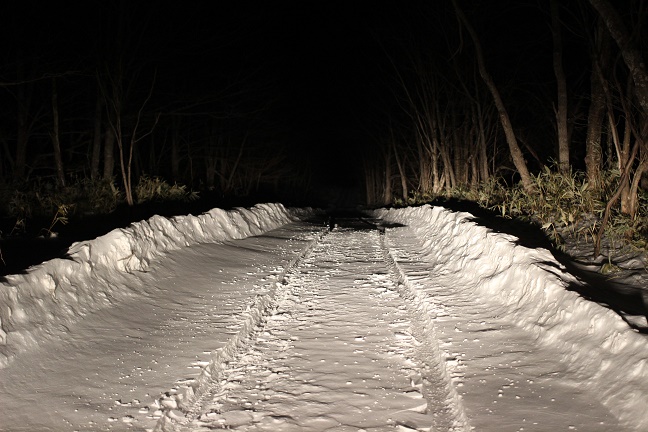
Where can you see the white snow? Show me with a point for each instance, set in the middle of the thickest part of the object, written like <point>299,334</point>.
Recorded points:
<point>527,286</point>
<point>256,319</point>
<point>101,271</point>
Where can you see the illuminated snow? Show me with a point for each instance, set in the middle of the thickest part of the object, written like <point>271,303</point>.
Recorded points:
<point>257,319</point>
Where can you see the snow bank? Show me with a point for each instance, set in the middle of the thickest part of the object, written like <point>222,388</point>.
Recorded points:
<point>101,271</point>
<point>530,285</point>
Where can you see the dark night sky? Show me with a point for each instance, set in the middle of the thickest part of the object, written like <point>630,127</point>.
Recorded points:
<point>321,70</point>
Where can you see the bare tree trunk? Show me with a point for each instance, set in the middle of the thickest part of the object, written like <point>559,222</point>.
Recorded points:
<point>473,156</point>
<point>56,143</point>
<point>623,182</point>
<point>474,172</point>
<point>593,149</point>
<point>222,161</point>
<point>125,172</point>
<point>630,52</point>
<point>448,171</point>
<point>376,185</point>
<point>514,148</point>
<point>634,186</point>
<point>401,172</point>
<point>210,172</point>
<point>482,148</point>
<point>387,191</point>
<point>95,158</point>
<point>23,97</point>
<point>175,150</point>
<point>447,180</point>
<point>609,162</point>
<point>561,109</point>
<point>625,189</point>
<point>457,154</point>
<point>634,60</point>
<point>369,182</point>
<point>109,154</point>
<point>626,144</point>
<point>425,174</point>
<point>8,157</point>
<point>436,181</point>
<point>641,137</point>
<point>234,169</point>
<point>126,154</point>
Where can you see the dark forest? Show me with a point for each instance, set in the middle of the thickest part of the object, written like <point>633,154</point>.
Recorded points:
<point>533,107</point>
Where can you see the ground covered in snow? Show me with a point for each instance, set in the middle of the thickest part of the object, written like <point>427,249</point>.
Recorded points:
<point>263,319</point>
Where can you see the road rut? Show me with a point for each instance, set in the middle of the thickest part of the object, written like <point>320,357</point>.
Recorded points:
<point>337,354</point>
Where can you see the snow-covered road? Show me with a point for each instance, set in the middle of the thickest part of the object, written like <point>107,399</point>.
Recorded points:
<point>435,325</point>
<point>507,379</point>
<point>106,371</point>
<point>336,354</point>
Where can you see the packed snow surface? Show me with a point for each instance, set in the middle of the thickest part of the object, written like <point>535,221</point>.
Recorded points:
<point>262,319</point>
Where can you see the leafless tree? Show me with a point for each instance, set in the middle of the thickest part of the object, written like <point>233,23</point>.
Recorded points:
<point>561,82</point>
<point>629,50</point>
<point>514,148</point>
<point>600,54</point>
<point>55,136</point>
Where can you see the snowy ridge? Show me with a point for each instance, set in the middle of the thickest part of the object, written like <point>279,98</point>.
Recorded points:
<point>98,272</point>
<point>190,399</point>
<point>451,414</point>
<point>529,284</point>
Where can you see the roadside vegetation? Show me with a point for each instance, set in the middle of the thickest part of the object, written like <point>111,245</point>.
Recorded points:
<point>566,207</point>
<point>565,147</point>
<point>39,207</point>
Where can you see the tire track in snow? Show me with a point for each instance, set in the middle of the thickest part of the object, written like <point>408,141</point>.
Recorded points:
<point>181,406</point>
<point>508,381</point>
<point>443,399</point>
<point>338,352</point>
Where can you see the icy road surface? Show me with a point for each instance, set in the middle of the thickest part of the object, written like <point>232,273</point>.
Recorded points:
<point>302,329</point>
